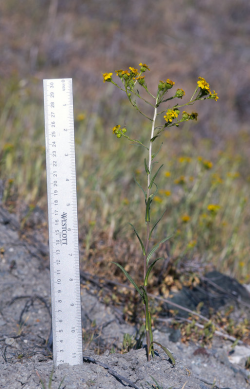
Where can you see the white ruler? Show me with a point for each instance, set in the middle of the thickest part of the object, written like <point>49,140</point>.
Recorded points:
<point>63,225</point>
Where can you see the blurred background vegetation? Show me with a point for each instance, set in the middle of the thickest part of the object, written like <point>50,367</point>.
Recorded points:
<point>205,182</point>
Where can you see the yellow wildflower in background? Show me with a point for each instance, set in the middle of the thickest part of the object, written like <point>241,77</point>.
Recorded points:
<point>107,77</point>
<point>185,218</point>
<point>213,208</point>
<point>165,192</point>
<point>216,179</point>
<point>233,175</point>
<point>180,181</point>
<point>158,199</point>
<point>80,117</point>
<point>205,163</point>
<point>192,244</point>
<point>184,159</point>
<point>167,174</point>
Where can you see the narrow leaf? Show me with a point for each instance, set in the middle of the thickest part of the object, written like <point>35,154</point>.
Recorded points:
<point>130,279</point>
<point>146,167</point>
<point>149,270</point>
<point>156,247</point>
<point>156,224</point>
<point>145,195</point>
<point>154,138</point>
<point>167,352</point>
<point>142,246</point>
<point>152,181</point>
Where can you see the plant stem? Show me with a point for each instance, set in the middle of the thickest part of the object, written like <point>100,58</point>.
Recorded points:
<point>148,225</point>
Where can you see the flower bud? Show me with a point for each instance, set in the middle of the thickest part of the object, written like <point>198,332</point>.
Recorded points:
<point>185,115</point>
<point>118,135</point>
<point>179,93</point>
<point>169,83</point>
<point>124,130</point>
<point>141,80</point>
<point>144,67</point>
<point>161,85</point>
<point>194,116</point>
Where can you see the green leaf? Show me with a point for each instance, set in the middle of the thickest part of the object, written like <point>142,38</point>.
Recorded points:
<point>166,351</point>
<point>152,181</point>
<point>149,270</point>
<point>154,138</point>
<point>130,279</point>
<point>146,167</point>
<point>145,195</point>
<point>156,246</point>
<point>156,224</point>
<point>142,246</point>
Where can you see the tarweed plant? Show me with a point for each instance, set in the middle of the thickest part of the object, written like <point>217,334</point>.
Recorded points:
<point>170,116</point>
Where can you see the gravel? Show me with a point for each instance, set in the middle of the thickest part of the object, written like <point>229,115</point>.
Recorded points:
<point>25,325</point>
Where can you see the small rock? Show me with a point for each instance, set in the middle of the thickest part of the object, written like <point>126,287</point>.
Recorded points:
<point>240,354</point>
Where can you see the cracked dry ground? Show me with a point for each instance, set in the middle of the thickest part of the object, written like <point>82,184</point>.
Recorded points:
<point>25,324</point>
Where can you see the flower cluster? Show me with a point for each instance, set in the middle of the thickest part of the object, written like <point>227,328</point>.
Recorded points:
<point>189,116</point>
<point>171,114</point>
<point>118,131</point>
<point>205,89</point>
<point>205,163</point>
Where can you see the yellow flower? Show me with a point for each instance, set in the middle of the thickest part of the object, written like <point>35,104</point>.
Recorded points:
<point>233,175</point>
<point>185,218</point>
<point>107,77</point>
<point>213,208</point>
<point>125,72</point>
<point>125,201</point>
<point>207,164</point>
<point>180,181</point>
<point>134,71</point>
<point>170,115</point>
<point>184,159</point>
<point>118,72</point>
<point>203,84</point>
<point>158,199</point>
<point>191,178</point>
<point>242,264</point>
<point>144,66</point>
<point>141,80</point>
<point>216,179</point>
<point>167,174</point>
<point>214,96</point>
<point>80,117</point>
<point>192,244</point>
<point>170,82</point>
<point>116,129</point>
<point>165,192</point>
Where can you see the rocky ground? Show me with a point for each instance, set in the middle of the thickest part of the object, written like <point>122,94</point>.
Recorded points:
<point>25,324</point>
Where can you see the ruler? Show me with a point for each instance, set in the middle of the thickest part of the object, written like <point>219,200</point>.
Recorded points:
<point>63,224</point>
